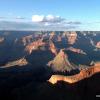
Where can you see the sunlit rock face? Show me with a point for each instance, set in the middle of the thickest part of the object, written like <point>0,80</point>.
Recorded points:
<point>52,48</point>
<point>24,40</point>
<point>1,39</point>
<point>19,62</point>
<point>72,37</point>
<point>76,50</point>
<point>27,39</point>
<point>52,34</point>
<point>34,46</point>
<point>98,45</point>
<point>61,63</point>
<point>85,73</point>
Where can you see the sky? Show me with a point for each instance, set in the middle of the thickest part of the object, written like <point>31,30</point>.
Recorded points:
<point>50,14</point>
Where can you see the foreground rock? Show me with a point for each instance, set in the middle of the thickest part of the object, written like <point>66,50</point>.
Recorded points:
<point>85,73</point>
<point>82,86</point>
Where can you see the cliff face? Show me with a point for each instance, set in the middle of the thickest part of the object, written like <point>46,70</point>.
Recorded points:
<point>19,62</point>
<point>52,48</point>
<point>52,35</point>
<point>27,39</point>
<point>71,37</point>
<point>61,87</point>
<point>34,46</point>
<point>85,73</point>
<point>1,39</point>
<point>75,50</point>
<point>98,45</point>
<point>61,63</point>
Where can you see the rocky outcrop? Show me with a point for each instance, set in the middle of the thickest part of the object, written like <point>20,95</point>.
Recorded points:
<point>52,48</point>
<point>79,51</point>
<point>72,37</point>
<point>52,35</point>
<point>1,39</point>
<point>27,39</point>
<point>34,46</point>
<point>98,45</point>
<point>24,40</point>
<point>61,63</point>
<point>85,73</point>
<point>19,62</point>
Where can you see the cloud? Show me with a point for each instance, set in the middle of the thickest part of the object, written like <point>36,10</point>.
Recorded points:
<point>37,18</point>
<point>19,17</point>
<point>11,25</point>
<point>74,22</point>
<point>54,22</point>
<point>48,18</point>
<point>53,19</point>
<point>40,22</point>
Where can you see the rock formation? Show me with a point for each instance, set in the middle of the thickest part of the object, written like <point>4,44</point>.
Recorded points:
<point>1,39</point>
<point>72,37</point>
<point>85,73</point>
<point>79,51</point>
<point>34,45</point>
<point>52,34</point>
<point>98,45</point>
<point>52,48</point>
<point>27,39</point>
<point>61,63</point>
<point>19,62</point>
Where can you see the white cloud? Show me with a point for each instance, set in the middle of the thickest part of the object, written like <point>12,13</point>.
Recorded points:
<point>48,18</point>
<point>54,22</point>
<point>37,18</point>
